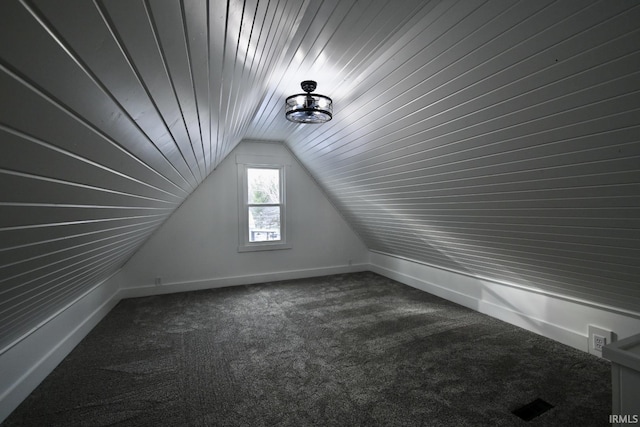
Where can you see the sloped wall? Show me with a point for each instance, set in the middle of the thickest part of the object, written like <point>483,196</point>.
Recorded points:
<point>554,316</point>
<point>197,247</point>
<point>499,141</point>
<point>26,363</point>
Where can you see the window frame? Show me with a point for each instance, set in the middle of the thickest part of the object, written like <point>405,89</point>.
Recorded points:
<point>244,163</point>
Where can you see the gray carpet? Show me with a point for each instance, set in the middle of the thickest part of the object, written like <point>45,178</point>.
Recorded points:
<point>344,350</point>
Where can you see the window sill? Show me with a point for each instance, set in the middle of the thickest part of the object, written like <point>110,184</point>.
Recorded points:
<point>253,247</point>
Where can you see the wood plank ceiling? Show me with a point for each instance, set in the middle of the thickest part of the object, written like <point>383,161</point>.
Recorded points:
<point>496,138</point>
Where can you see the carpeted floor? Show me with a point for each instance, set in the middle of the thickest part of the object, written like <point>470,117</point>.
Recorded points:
<point>345,350</point>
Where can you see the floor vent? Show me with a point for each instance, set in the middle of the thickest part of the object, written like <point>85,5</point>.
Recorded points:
<point>533,409</point>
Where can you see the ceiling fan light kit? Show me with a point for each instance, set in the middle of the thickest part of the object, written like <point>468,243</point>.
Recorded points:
<point>309,107</point>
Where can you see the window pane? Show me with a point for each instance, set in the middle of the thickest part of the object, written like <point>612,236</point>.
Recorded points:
<point>264,186</point>
<point>264,223</point>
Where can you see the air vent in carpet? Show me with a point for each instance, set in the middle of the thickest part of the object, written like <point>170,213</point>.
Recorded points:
<point>533,409</point>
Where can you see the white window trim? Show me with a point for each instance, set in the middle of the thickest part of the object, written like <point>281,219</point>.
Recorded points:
<point>245,162</point>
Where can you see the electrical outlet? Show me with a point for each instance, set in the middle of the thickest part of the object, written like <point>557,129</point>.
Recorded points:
<point>598,338</point>
<point>158,281</point>
<point>599,342</point>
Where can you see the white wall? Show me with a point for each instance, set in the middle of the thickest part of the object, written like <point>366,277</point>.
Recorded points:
<point>197,247</point>
<point>558,317</point>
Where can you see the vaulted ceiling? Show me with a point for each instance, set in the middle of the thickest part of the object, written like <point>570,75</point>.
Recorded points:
<point>496,138</point>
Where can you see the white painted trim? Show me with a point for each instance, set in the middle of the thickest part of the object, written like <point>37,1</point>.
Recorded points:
<point>556,317</point>
<point>510,316</point>
<point>244,162</point>
<point>31,359</point>
<point>526,288</point>
<point>27,363</point>
<point>221,282</point>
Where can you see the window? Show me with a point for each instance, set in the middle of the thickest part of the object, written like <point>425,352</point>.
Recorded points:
<point>261,203</point>
<point>264,204</point>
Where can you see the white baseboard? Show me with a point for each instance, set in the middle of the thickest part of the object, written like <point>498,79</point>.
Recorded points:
<point>221,282</point>
<point>560,318</point>
<point>29,361</point>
